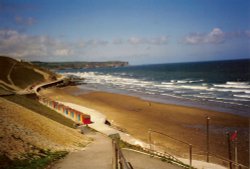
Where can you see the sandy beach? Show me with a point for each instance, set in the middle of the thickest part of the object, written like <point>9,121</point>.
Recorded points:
<point>136,116</point>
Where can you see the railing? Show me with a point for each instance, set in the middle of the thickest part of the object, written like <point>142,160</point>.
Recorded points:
<point>185,143</point>
<point>166,156</point>
<point>203,155</point>
<point>223,161</point>
<point>119,161</point>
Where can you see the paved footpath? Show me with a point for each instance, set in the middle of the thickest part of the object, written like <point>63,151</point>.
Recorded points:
<point>142,161</point>
<point>97,155</point>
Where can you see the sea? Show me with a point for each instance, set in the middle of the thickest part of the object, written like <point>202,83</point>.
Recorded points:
<point>215,85</point>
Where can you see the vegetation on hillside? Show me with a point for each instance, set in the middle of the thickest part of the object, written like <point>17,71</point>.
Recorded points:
<point>122,144</point>
<point>4,91</point>
<point>32,104</point>
<point>28,140</point>
<point>32,161</point>
<point>25,76</point>
<point>5,66</point>
<point>17,74</point>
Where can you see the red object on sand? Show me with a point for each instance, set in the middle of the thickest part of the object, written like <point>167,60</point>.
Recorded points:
<point>234,136</point>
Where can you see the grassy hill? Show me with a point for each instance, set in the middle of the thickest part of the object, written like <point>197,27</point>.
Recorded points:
<point>17,75</point>
<point>30,140</point>
<point>31,134</point>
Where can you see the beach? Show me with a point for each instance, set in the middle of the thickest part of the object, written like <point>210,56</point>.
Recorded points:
<point>135,116</point>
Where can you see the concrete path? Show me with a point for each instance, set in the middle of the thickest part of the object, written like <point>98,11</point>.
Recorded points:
<point>143,161</point>
<point>100,126</point>
<point>99,120</point>
<point>97,155</point>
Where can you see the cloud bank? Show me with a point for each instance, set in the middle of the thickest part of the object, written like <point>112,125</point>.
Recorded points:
<point>41,47</point>
<point>15,44</point>
<point>216,36</point>
<point>150,41</point>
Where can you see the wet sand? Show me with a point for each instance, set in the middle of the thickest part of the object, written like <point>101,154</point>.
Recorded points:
<point>188,124</point>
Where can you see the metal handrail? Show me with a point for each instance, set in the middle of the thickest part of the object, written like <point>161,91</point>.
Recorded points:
<point>190,154</point>
<point>227,160</point>
<point>183,142</point>
<point>120,161</point>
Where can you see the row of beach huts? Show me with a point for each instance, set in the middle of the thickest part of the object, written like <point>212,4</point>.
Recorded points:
<point>75,115</point>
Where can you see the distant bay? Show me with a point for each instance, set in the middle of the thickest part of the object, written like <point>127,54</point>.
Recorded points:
<point>216,85</point>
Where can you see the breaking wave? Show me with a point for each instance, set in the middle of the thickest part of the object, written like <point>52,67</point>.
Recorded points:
<point>228,93</point>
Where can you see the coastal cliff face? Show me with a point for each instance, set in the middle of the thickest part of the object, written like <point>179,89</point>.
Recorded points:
<point>80,65</point>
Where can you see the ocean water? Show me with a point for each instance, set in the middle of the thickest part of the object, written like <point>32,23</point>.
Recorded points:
<point>218,85</point>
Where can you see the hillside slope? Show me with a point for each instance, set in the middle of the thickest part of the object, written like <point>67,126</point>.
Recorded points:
<point>23,131</point>
<point>17,75</point>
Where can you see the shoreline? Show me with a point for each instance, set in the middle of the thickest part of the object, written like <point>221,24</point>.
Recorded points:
<point>178,101</point>
<point>136,116</point>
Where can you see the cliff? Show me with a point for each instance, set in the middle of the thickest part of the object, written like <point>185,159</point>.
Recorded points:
<point>80,65</point>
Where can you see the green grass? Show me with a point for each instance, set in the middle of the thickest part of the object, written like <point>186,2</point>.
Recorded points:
<point>31,103</point>
<point>5,65</point>
<point>3,91</point>
<point>32,161</point>
<point>22,76</point>
<point>23,73</point>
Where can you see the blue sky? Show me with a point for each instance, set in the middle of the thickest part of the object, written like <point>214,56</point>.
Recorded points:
<point>138,31</point>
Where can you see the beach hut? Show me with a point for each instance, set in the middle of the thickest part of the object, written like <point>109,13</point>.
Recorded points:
<point>79,117</point>
<point>63,108</point>
<point>54,103</point>
<point>66,111</point>
<point>44,100</point>
<point>86,119</point>
<point>60,107</point>
<point>72,113</point>
<point>51,103</point>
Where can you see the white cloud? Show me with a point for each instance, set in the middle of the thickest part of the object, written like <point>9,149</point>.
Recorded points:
<point>152,41</point>
<point>216,36</point>
<point>159,40</point>
<point>118,41</point>
<point>20,45</point>
<point>29,21</point>
<point>96,42</point>
<point>63,52</point>
<point>15,44</point>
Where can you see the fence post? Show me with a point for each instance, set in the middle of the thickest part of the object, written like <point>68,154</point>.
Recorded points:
<point>190,155</point>
<point>236,153</point>
<point>149,139</point>
<point>208,119</point>
<point>229,150</point>
<point>115,156</point>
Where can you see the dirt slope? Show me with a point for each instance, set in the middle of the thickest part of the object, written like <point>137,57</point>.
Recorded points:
<point>23,131</point>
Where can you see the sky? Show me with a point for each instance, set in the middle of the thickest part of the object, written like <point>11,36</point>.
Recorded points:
<point>137,31</point>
